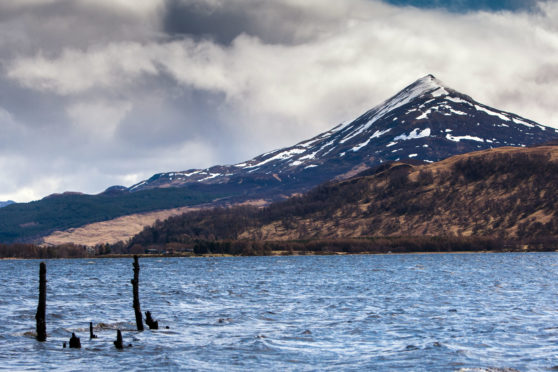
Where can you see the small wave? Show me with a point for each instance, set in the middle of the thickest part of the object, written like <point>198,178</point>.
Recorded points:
<point>489,369</point>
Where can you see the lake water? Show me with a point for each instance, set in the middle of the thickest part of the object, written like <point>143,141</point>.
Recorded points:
<point>432,312</point>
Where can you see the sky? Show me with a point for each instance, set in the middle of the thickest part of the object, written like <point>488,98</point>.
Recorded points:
<point>95,93</point>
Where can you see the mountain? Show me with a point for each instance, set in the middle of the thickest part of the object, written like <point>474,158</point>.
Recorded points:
<point>504,193</point>
<point>6,203</point>
<point>426,121</point>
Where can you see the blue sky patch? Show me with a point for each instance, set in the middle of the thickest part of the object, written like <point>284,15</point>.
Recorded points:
<point>464,6</point>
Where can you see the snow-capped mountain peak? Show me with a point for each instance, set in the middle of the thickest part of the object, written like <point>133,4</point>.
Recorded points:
<point>426,121</point>
<point>426,85</point>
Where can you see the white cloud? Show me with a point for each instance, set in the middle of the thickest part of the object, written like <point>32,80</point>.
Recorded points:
<point>76,71</point>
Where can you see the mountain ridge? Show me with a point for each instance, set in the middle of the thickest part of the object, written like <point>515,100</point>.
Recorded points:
<point>6,203</point>
<point>420,114</point>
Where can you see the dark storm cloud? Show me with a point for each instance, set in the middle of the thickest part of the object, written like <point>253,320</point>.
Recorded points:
<point>275,22</point>
<point>222,24</point>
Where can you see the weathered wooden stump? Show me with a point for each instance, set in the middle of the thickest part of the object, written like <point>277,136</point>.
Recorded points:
<point>91,334</point>
<point>118,342</point>
<point>153,324</point>
<point>135,285</point>
<point>75,342</point>
<point>41,307</point>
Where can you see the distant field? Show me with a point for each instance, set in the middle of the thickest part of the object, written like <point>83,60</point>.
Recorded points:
<point>112,231</point>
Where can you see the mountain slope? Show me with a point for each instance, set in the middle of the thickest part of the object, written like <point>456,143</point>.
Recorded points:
<point>6,203</point>
<point>503,193</point>
<point>426,121</point>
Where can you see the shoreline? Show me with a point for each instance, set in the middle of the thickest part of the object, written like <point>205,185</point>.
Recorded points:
<point>273,254</point>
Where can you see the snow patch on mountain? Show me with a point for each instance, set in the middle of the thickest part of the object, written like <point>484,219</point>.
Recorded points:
<point>439,92</point>
<point>415,134</point>
<point>457,112</point>
<point>493,113</point>
<point>376,134</point>
<point>211,176</point>
<point>519,121</point>
<point>458,100</point>
<point>459,138</point>
<point>281,156</point>
<point>357,132</point>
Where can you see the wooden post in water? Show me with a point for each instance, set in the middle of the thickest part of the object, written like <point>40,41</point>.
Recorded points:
<point>91,334</point>
<point>118,342</point>
<point>41,308</point>
<point>135,285</point>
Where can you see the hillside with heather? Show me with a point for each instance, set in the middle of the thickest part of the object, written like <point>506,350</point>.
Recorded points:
<point>504,194</point>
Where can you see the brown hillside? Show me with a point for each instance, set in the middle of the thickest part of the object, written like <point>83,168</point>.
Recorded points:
<point>505,193</point>
<point>487,193</point>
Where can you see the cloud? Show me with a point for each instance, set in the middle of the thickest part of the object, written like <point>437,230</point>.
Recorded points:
<point>75,71</point>
<point>273,22</point>
<point>183,84</point>
<point>100,119</point>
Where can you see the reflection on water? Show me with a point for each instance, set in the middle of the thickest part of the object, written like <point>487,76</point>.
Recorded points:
<point>418,312</point>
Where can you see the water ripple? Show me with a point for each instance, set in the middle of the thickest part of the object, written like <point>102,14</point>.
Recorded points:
<point>391,312</point>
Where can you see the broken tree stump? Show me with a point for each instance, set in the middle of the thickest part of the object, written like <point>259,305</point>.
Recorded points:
<point>118,342</point>
<point>153,324</point>
<point>135,285</point>
<point>41,307</point>
<point>91,334</point>
<point>75,342</point>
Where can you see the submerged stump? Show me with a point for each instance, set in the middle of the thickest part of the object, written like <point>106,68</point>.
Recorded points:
<point>41,307</point>
<point>153,324</point>
<point>135,285</point>
<point>75,343</point>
